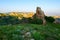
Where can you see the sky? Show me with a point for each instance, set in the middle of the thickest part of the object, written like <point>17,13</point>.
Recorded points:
<point>50,7</point>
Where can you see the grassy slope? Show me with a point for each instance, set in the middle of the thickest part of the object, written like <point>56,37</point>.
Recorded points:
<point>38,32</point>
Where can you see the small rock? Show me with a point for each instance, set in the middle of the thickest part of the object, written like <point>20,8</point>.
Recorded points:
<point>28,34</point>
<point>32,39</point>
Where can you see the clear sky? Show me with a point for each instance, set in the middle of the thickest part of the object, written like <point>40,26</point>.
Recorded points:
<point>50,7</point>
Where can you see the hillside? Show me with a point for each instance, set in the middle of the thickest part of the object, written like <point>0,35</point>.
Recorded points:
<point>19,14</point>
<point>30,32</point>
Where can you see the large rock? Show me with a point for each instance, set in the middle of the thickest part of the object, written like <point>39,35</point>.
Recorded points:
<point>40,15</point>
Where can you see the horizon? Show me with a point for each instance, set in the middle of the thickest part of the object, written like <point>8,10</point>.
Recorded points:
<point>50,7</point>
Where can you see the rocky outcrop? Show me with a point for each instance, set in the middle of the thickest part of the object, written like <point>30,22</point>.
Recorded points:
<point>40,15</point>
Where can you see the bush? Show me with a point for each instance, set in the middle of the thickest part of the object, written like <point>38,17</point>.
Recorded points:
<point>24,20</point>
<point>9,20</point>
<point>49,19</point>
<point>36,21</point>
<point>33,21</point>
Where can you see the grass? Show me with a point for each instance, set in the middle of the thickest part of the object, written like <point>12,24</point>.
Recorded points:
<point>38,32</point>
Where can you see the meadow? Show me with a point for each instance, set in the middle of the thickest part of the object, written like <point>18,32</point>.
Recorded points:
<point>27,31</point>
<point>12,28</point>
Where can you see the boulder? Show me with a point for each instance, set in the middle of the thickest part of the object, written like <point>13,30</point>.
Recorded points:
<point>40,15</point>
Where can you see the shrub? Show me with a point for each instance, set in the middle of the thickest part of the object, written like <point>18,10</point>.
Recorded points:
<point>33,21</point>
<point>9,20</point>
<point>24,20</point>
<point>36,21</point>
<point>49,19</point>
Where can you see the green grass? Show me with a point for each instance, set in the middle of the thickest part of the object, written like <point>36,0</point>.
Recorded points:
<point>38,32</point>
